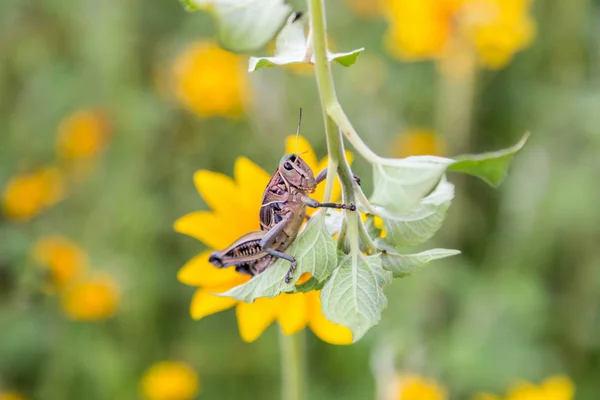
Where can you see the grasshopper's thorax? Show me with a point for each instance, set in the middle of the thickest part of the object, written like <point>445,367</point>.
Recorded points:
<point>292,179</point>
<point>292,176</point>
<point>296,173</point>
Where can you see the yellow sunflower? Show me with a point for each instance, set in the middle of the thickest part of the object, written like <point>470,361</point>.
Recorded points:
<point>554,388</point>
<point>418,142</point>
<point>414,387</point>
<point>170,380</point>
<point>234,207</point>
<point>65,261</point>
<point>82,135</point>
<point>424,29</point>
<point>93,298</point>
<point>29,194</point>
<point>210,81</point>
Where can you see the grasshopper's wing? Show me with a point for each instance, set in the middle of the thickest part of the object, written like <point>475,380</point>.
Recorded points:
<point>245,250</point>
<point>276,191</point>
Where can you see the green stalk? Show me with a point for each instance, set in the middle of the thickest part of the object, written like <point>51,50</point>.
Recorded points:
<point>292,365</point>
<point>335,144</point>
<point>329,102</point>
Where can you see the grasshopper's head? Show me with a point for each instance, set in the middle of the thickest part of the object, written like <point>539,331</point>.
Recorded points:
<point>297,173</point>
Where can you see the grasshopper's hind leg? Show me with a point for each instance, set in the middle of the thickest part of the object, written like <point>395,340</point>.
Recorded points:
<point>292,260</point>
<point>270,238</point>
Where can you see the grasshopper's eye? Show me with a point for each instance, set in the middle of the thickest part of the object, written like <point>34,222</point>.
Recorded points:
<point>287,166</point>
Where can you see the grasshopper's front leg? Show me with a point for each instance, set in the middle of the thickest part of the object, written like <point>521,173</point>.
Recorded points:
<point>271,237</point>
<point>323,174</point>
<point>315,204</point>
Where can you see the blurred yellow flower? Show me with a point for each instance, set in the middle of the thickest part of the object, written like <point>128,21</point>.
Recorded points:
<point>414,387</point>
<point>27,195</point>
<point>210,81</point>
<point>169,380</point>
<point>553,388</point>
<point>65,260</point>
<point>418,28</point>
<point>499,29</point>
<point>422,29</point>
<point>235,204</point>
<point>11,396</point>
<point>82,135</point>
<point>91,299</point>
<point>418,142</point>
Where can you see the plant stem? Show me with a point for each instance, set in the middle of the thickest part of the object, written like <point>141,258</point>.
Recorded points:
<point>332,115</point>
<point>332,165</point>
<point>329,100</point>
<point>366,239</point>
<point>336,112</point>
<point>335,145</point>
<point>292,365</point>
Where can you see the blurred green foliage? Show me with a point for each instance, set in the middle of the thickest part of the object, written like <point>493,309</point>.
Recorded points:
<point>521,302</point>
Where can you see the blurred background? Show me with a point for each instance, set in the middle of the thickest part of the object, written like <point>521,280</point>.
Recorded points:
<point>108,107</point>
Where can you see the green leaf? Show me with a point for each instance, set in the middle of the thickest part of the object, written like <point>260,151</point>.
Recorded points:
<point>291,47</point>
<point>189,5</point>
<point>403,265</point>
<point>422,222</point>
<point>353,295</point>
<point>244,25</point>
<point>316,253</point>
<point>490,167</point>
<point>399,184</point>
<point>346,59</point>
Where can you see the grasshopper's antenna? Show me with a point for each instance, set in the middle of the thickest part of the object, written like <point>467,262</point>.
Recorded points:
<point>298,130</point>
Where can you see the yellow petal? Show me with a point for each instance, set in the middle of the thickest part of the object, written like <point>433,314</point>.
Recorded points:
<point>292,312</point>
<point>414,387</point>
<point>522,389</point>
<point>251,181</point>
<point>559,388</point>
<point>212,230</point>
<point>303,278</point>
<point>254,318</point>
<point>304,149</point>
<point>218,190</point>
<point>205,303</point>
<point>324,329</point>
<point>199,272</point>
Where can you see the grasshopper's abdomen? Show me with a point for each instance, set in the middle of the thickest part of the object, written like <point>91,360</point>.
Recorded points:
<point>245,254</point>
<point>246,249</point>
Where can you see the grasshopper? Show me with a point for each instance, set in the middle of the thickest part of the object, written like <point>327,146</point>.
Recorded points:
<point>282,213</point>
